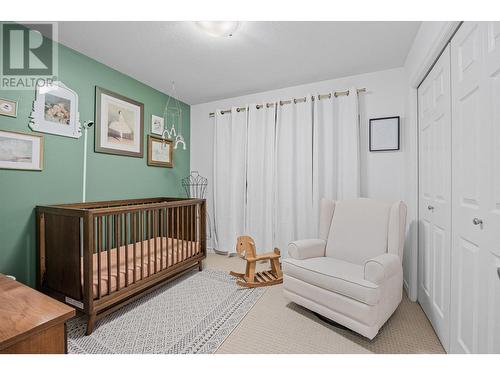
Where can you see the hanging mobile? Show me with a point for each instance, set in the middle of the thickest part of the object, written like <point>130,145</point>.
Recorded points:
<point>174,112</point>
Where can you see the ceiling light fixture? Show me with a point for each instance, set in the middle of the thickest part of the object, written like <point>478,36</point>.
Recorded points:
<point>218,28</point>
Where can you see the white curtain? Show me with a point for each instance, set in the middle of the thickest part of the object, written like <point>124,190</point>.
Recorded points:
<point>348,180</point>
<point>273,165</point>
<point>230,139</point>
<point>260,175</point>
<point>336,160</point>
<point>293,192</point>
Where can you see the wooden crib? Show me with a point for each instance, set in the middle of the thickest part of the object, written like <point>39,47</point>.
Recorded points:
<point>100,256</point>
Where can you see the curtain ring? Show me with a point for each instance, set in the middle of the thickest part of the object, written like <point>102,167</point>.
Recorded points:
<point>237,109</point>
<point>329,95</point>
<point>221,112</point>
<point>294,101</point>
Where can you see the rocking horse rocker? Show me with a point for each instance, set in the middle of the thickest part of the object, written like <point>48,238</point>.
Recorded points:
<point>251,279</point>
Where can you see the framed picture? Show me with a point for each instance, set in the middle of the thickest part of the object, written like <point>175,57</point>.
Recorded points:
<point>21,151</point>
<point>8,107</point>
<point>160,152</point>
<point>55,111</point>
<point>119,124</point>
<point>384,134</point>
<point>157,125</point>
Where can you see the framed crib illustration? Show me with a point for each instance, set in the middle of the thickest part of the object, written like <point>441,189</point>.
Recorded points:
<point>119,124</point>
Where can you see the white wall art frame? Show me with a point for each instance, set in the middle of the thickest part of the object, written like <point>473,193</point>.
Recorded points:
<point>55,111</point>
<point>157,125</point>
<point>384,134</point>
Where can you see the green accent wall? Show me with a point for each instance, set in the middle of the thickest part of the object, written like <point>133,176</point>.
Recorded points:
<point>108,176</point>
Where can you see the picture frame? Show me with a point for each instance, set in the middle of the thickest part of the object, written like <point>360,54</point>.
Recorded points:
<point>160,152</point>
<point>384,134</point>
<point>55,111</point>
<point>8,107</point>
<point>21,151</point>
<point>157,125</point>
<point>119,124</point>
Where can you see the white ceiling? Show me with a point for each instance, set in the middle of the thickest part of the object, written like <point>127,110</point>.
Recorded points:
<point>260,56</point>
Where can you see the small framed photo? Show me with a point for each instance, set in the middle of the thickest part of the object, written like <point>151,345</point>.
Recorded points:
<point>160,152</point>
<point>157,125</point>
<point>384,134</point>
<point>119,124</point>
<point>8,107</point>
<point>55,111</point>
<point>21,151</point>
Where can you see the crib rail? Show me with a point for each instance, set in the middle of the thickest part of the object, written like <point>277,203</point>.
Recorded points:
<point>100,253</point>
<point>134,244</point>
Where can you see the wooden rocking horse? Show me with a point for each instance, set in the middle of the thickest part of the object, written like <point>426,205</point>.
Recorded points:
<point>251,279</point>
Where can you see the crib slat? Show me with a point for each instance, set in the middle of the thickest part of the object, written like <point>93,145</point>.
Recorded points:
<point>167,235</point>
<point>161,238</point>
<point>177,230</point>
<point>126,247</point>
<point>117,246</point>
<point>133,223</point>
<point>188,230</point>
<point>148,237</point>
<point>108,264</point>
<point>155,236</point>
<point>191,224</point>
<point>171,235</point>
<point>141,230</point>
<point>182,234</point>
<point>99,248</point>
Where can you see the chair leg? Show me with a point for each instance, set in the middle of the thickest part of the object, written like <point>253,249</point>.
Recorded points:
<point>200,265</point>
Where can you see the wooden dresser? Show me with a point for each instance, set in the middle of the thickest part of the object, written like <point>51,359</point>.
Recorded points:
<point>31,322</point>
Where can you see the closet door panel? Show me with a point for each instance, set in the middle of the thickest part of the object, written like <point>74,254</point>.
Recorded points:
<point>475,256</point>
<point>441,265</point>
<point>467,261</point>
<point>426,177</point>
<point>492,63</point>
<point>435,195</point>
<point>492,328</point>
<point>492,208</point>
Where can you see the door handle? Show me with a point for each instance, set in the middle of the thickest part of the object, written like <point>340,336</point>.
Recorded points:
<point>498,272</point>
<point>430,208</point>
<point>477,221</point>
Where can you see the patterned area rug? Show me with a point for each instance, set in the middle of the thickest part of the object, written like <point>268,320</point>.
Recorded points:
<point>193,314</point>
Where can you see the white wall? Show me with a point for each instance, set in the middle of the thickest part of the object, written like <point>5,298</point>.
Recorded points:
<point>382,174</point>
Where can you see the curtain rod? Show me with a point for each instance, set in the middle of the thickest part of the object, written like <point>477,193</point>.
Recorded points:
<point>297,100</point>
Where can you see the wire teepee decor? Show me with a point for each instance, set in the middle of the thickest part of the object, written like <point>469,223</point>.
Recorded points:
<point>173,114</point>
<point>195,186</point>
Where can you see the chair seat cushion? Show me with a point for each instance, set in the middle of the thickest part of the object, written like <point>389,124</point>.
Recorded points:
<point>334,275</point>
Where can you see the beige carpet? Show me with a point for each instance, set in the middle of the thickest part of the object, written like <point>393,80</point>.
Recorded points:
<point>274,325</point>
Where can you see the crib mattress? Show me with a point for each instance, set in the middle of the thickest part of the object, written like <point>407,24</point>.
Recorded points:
<point>169,251</point>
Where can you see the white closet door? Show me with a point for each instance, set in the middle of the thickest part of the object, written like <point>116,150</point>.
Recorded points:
<point>476,189</point>
<point>492,214</point>
<point>434,98</point>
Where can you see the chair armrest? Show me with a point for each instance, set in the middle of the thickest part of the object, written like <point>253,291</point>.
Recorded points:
<point>381,267</point>
<point>304,249</point>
